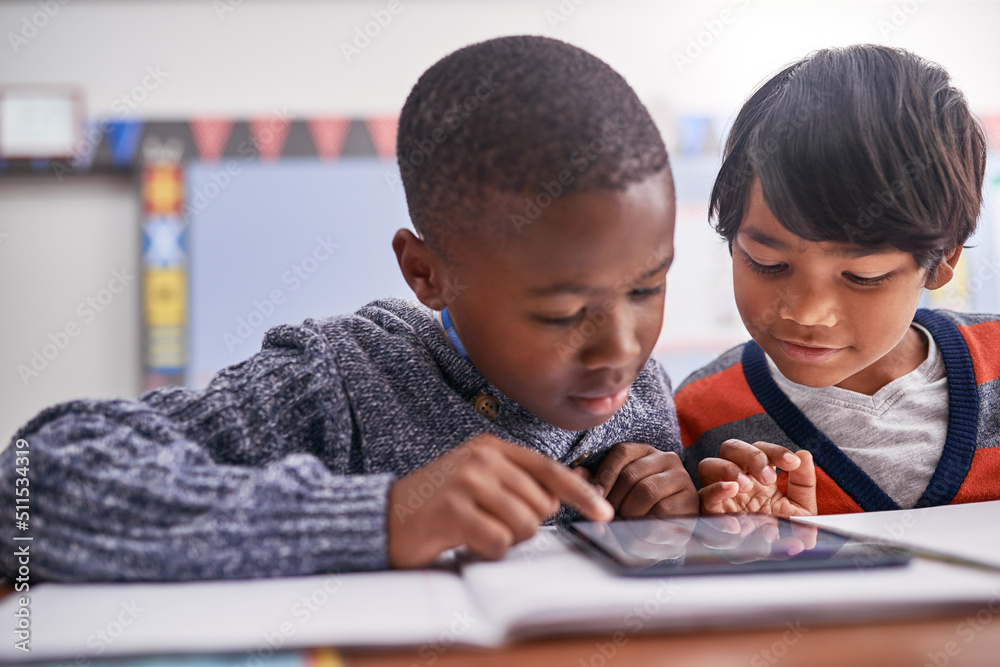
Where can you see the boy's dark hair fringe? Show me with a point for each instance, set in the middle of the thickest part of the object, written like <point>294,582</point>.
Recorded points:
<point>867,145</point>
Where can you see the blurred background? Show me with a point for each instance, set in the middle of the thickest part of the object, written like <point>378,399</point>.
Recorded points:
<point>177,177</point>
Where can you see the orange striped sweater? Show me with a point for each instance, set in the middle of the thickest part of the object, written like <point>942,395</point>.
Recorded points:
<point>735,397</point>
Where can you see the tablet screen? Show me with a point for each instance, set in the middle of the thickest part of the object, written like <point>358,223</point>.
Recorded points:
<point>725,543</point>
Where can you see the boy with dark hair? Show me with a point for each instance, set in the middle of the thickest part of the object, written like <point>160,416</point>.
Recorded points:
<point>850,182</point>
<point>383,438</point>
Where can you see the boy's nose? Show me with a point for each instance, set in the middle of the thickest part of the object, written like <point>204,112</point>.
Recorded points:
<point>808,306</point>
<point>613,343</point>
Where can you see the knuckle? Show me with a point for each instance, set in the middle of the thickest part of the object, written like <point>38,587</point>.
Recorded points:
<point>466,478</point>
<point>631,475</point>
<point>647,491</point>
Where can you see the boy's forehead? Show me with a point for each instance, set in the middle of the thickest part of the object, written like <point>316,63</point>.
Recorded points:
<point>588,239</point>
<point>549,285</point>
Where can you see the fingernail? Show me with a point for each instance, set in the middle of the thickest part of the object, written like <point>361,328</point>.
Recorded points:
<point>744,482</point>
<point>768,475</point>
<point>790,458</point>
<point>599,490</point>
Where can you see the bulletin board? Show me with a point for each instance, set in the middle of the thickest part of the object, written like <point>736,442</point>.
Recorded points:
<point>250,223</point>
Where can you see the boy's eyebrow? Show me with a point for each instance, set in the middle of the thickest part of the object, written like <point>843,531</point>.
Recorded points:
<point>562,288</point>
<point>842,249</point>
<point>576,288</point>
<point>665,264</point>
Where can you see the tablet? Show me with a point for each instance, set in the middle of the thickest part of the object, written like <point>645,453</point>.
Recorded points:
<point>722,544</point>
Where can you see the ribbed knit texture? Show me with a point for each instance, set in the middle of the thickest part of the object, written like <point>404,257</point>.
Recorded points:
<point>282,465</point>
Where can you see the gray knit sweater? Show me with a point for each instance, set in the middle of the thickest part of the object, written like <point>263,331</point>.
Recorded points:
<point>282,465</point>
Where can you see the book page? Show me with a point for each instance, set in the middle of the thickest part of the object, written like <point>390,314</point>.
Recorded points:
<point>968,531</point>
<point>85,621</point>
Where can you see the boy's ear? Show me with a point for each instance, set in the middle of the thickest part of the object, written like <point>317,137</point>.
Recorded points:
<point>945,270</point>
<point>421,267</point>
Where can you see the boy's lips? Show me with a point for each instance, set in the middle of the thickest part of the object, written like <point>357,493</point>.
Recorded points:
<point>602,402</point>
<point>812,353</point>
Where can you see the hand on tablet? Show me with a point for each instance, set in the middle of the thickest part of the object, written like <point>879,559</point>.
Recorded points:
<point>743,479</point>
<point>487,494</point>
<point>640,480</point>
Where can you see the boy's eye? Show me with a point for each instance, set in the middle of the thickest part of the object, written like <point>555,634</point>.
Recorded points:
<point>877,280</point>
<point>560,321</point>
<point>646,292</point>
<point>766,269</point>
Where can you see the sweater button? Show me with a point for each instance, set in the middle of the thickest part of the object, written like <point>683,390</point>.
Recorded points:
<point>488,405</point>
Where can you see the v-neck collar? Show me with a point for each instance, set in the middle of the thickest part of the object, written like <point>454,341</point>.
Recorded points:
<point>960,442</point>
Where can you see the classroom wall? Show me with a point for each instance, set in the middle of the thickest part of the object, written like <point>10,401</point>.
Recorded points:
<point>69,307</point>
<point>61,241</point>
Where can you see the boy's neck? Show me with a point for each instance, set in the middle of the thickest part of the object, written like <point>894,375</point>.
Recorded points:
<point>905,358</point>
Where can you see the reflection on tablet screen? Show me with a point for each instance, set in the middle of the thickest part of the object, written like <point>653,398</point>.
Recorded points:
<point>729,543</point>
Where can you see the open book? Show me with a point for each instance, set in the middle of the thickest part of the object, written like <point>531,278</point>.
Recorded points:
<point>542,587</point>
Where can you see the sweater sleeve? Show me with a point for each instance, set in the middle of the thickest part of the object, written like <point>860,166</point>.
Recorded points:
<point>251,477</point>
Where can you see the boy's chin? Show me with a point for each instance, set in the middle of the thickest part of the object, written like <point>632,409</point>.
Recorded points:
<point>810,377</point>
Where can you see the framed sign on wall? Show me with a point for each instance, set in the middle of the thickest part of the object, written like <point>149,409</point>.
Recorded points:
<point>40,121</point>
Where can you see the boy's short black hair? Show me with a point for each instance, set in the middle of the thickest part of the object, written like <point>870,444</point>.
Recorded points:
<point>867,145</point>
<point>527,116</point>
